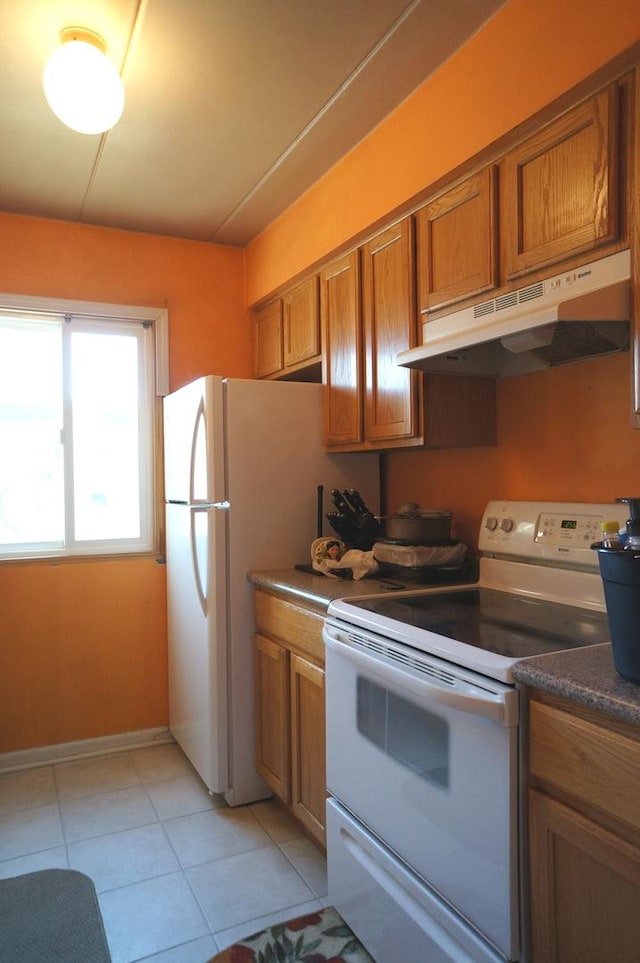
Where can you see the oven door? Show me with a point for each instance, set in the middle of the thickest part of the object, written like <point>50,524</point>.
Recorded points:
<point>425,755</point>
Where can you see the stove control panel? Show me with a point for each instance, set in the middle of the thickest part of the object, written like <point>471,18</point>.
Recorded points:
<point>579,531</point>
<point>554,532</point>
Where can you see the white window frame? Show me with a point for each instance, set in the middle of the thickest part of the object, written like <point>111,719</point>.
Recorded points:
<point>81,311</point>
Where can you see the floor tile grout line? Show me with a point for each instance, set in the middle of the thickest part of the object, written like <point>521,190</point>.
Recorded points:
<point>255,920</point>
<point>64,835</point>
<point>153,956</point>
<point>219,859</point>
<point>136,882</point>
<point>316,895</point>
<point>198,904</point>
<point>62,827</point>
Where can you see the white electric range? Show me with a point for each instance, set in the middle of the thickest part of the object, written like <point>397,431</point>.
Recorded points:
<point>422,735</point>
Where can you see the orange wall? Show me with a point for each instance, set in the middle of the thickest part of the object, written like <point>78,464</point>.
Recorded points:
<point>531,52</point>
<point>563,434</point>
<point>202,285</point>
<point>83,644</point>
<point>83,650</point>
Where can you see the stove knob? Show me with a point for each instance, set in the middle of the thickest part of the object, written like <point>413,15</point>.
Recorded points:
<point>491,523</point>
<point>506,524</point>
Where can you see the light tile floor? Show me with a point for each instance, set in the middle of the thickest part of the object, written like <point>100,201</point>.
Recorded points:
<point>179,874</point>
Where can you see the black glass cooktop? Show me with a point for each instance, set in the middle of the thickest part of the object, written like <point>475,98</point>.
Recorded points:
<point>510,625</point>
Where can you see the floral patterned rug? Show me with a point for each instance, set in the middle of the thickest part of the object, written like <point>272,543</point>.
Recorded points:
<point>317,938</point>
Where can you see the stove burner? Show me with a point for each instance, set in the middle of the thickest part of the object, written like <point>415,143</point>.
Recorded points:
<point>509,625</point>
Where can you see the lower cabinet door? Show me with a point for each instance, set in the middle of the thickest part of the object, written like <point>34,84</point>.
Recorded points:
<point>308,776</point>
<point>585,888</point>
<point>272,716</point>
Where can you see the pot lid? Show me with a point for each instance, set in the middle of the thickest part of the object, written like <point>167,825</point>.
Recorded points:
<point>413,510</point>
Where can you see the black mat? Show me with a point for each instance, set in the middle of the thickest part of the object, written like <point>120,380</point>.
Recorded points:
<point>51,916</point>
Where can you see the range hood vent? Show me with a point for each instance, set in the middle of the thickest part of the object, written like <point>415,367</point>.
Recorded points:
<point>581,314</point>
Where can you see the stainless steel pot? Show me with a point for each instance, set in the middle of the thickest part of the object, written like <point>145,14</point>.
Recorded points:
<point>419,526</point>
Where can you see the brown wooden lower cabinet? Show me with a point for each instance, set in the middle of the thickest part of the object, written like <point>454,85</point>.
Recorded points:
<point>584,836</point>
<point>585,888</point>
<point>308,780</point>
<point>290,708</point>
<point>272,695</point>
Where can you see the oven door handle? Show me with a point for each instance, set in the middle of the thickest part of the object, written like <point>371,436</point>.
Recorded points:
<point>500,706</point>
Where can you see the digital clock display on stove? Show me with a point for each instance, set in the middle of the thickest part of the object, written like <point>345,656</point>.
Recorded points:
<point>568,523</point>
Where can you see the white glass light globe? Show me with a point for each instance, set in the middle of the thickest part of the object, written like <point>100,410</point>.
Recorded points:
<point>83,88</point>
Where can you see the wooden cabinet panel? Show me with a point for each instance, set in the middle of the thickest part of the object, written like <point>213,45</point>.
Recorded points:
<point>286,335</point>
<point>296,625</point>
<point>308,751</point>
<point>585,888</point>
<point>390,326</point>
<point>459,411</point>
<point>457,242</point>
<point>586,760</point>
<point>342,359</point>
<point>272,715</point>
<point>584,834</point>
<point>290,707</point>
<point>301,323</point>
<point>560,187</point>
<point>267,339</point>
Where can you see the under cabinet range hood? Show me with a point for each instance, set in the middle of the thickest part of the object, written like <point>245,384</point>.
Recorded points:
<point>579,314</point>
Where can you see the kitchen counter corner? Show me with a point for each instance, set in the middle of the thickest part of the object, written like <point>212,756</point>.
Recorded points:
<point>318,590</point>
<point>586,676</point>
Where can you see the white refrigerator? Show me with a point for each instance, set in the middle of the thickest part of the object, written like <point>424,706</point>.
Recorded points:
<point>243,462</point>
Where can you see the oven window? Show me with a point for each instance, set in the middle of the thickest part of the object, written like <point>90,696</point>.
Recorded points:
<point>411,735</point>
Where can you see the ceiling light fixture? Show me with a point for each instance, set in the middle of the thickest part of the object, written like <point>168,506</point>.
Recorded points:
<point>82,87</point>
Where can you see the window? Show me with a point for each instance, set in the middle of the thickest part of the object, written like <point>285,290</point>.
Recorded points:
<point>77,404</point>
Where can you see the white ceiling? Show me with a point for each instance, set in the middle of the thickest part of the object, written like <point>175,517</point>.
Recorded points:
<point>233,107</point>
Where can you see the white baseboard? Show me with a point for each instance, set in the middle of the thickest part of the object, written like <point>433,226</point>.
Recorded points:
<point>83,749</point>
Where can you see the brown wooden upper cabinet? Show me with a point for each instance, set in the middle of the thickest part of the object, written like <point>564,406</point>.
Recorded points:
<point>560,187</point>
<point>368,312</point>
<point>340,315</point>
<point>301,331</point>
<point>457,242</point>
<point>367,309</point>
<point>267,340</point>
<point>392,393</point>
<point>287,334</point>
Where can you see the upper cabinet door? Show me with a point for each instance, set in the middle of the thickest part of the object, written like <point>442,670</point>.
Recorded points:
<point>340,313</point>
<point>457,235</point>
<point>560,187</point>
<point>301,323</point>
<point>267,339</point>
<point>390,326</point>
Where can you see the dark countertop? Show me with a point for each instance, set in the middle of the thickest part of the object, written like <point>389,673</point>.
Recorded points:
<point>586,676</point>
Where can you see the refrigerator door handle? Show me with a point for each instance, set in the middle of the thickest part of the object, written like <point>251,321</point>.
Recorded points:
<point>221,506</point>
<point>201,452</point>
<point>195,558</point>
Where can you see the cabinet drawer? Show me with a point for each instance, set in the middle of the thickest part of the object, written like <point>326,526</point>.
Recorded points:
<point>296,626</point>
<point>596,765</point>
